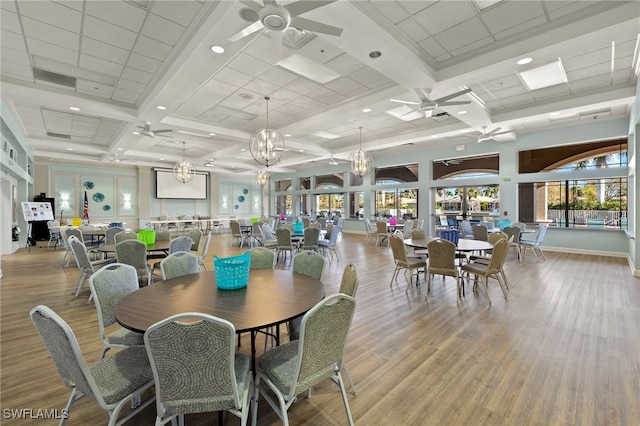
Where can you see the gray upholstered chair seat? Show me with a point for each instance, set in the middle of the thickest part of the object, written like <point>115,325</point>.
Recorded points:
<point>122,336</point>
<point>122,374</point>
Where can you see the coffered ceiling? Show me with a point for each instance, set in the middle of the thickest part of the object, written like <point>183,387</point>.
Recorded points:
<point>118,61</point>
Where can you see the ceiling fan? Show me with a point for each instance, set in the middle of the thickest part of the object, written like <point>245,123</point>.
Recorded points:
<point>428,106</point>
<point>148,131</point>
<point>115,159</point>
<point>486,136</point>
<point>278,18</point>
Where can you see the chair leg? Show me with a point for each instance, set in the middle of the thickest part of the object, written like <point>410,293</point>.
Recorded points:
<point>345,401</point>
<point>349,379</point>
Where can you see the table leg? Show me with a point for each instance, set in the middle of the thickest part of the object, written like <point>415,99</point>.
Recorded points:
<point>253,353</point>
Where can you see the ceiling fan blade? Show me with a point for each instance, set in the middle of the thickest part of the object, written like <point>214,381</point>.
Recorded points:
<point>256,26</point>
<point>422,95</point>
<point>276,43</point>
<point>303,6</point>
<point>453,103</point>
<point>252,5</point>
<point>162,131</point>
<point>316,27</point>
<point>451,96</point>
<point>400,101</point>
<point>270,3</point>
<point>494,131</point>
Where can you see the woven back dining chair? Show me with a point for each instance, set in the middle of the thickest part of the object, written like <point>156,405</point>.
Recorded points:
<point>178,264</point>
<point>197,378</point>
<point>442,261</point>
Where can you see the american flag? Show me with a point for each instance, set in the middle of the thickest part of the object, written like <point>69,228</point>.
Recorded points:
<point>85,212</point>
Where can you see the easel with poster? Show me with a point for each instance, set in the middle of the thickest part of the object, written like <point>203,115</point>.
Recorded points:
<point>34,212</point>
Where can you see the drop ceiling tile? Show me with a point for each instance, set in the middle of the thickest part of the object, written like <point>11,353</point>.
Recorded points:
<point>366,76</point>
<point>320,50</point>
<point>11,69</point>
<point>233,77</point>
<point>432,47</point>
<point>8,6</point>
<point>601,80</point>
<point>137,75</point>
<point>505,15</point>
<point>152,48</point>
<point>516,30</point>
<point>235,102</point>
<point>308,103</point>
<point>248,64</point>
<point>413,29</point>
<point>50,34</point>
<point>558,9</point>
<point>119,13</point>
<point>598,56</point>
<point>100,65</point>
<point>94,88</point>
<point>130,86</point>
<point>477,44</point>
<point>261,86</point>
<point>444,15</point>
<point>123,95</point>
<point>557,91</point>
<point>261,49</point>
<point>218,87</point>
<point>464,34</point>
<point>181,13</point>
<point>391,10</point>
<point>413,6</point>
<point>12,40</point>
<point>283,95</point>
<point>53,14</point>
<point>603,68</point>
<point>278,76</point>
<point>108,33</point>
<point>9,22</point>
<point>16,57</point>
<point>144,63</point>
<point>162,30</point>
<point>47,50</point>
<point>303,86</point>
<point>104,51</point>
<point>346,87</point>
<point>513,101</point>
<point>326,96</point>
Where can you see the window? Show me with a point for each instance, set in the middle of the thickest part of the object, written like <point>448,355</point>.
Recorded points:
<point>397,203</point>
<point>305,183</point>
<point>592,203</point>
<point>335,180</point>
<point>283,185</point>
<point>283,205</point>
<point>475,203</point>
<point>593,195</point>
<point>330,205</point>
<point>485,165</point>
<point>395,174</point>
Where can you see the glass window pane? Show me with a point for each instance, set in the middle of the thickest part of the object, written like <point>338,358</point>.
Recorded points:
<point>334,180</point>
<point>283,185</point>
<point>395,174</point>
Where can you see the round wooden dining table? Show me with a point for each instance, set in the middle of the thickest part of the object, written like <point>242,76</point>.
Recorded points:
<point>464,245</point>
<point>271,298</point>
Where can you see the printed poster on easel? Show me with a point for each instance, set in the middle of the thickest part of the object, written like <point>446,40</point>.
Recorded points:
<point>34,211</point>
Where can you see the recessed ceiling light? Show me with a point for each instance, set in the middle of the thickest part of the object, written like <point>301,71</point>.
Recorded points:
<point>544,76</point>
<point>524,61</point>
<point>161,107</point>
<point>136,133</point>
<point>120,149</point>
<point>243,149</point>
<point>74,108</point>
<point>301,150</point>
<point>554,114</point>
<point>69,149</point>
<point>217,49</point>
<point>462,112</point>
<point>287,135</point>
<point>162,159</point>
<point>212,134</point>
<point>375,54</point>
<point>366,110</point>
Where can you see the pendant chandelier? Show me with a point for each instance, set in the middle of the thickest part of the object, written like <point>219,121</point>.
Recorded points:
<point>183,170</point>
<point>266,145</point>
<point>361,161</point>
<point>263,178</point>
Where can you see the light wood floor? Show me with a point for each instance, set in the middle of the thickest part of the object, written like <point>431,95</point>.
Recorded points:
<point>563,350</point>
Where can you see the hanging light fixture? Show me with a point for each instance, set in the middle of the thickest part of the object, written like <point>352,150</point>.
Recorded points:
<point>361,161</point>
<point>266,145</point>
<point>263,177</point>
<point>183,170</point>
